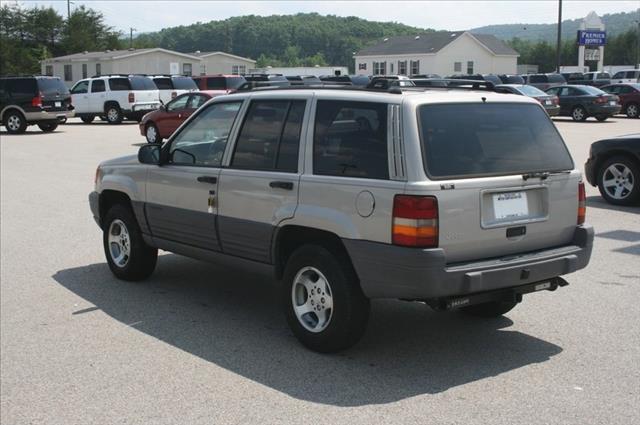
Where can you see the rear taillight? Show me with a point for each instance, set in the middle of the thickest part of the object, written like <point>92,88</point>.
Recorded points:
<point>555,100</point>
<point>415,221</point>
<point>37,101</point>
<point>600,100</point>
<point>132,97</point>
<point>173,94</point>
<point>582,203</point>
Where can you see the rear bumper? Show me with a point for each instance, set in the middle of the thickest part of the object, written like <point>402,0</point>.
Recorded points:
<point>387,271</point>
<point>34,117</point>
<point>552,110</point>
<point>603,110</point>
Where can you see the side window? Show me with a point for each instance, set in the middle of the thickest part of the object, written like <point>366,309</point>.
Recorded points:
<point>570,91</point>
<point>196,101</point>
<point>350,139</point>
<point>119,84</point>
<point>203,140</point>
<point>624,90</point>
<point>270,136</point>
<point>178,103</point>
<point>80,87</point>
<point>97,86</point>
<point>613,89</point>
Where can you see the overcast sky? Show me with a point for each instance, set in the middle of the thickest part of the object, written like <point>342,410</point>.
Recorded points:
<point>441,15</point>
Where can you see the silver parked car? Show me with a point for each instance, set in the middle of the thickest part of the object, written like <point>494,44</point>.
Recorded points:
<point>455,198</point>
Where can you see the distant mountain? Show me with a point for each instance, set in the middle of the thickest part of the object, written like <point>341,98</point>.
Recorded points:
<point>616,23</point>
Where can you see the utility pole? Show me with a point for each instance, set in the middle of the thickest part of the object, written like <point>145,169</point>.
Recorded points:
<point>637,64</point>
<point>559,42</point>
<point>68,9</point>
<point>131,30</point>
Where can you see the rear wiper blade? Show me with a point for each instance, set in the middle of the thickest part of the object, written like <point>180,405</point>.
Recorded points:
<point>543,175</point>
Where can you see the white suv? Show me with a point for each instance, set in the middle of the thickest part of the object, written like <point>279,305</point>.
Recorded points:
<point>114,97</point>
<point>458,199</point>
<point>171,86</point>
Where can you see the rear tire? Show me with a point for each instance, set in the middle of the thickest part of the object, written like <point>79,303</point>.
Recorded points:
<point>579,114</point>
<point>619,181</point>
<point>14,122</point>
<point>48,127</point>
<point>128,256</point>
<point>113,114</point>
<point>322,299</point>
<point>632,110</point>
<point>490,309</point>
<point>88,119</point>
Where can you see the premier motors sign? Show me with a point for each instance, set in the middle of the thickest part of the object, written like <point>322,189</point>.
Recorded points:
<point>592,38</point>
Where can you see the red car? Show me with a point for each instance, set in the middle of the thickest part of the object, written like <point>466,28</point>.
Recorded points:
<point>161,123</point>
<point>219,83</point>
<point>629,94</point>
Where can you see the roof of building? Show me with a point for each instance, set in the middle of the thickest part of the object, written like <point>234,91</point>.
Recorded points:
<point>115,54</point>
<point>206,54</point>
<point>432,43</point>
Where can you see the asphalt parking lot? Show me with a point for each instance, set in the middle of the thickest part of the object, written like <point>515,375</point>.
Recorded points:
<point>198,343</point>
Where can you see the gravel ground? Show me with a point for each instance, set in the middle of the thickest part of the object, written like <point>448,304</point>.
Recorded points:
<point>199,343</point>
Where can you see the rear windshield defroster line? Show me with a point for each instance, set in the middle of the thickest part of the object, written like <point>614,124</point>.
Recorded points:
<point>489,139</point>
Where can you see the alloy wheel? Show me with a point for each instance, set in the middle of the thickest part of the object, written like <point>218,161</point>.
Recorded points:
<point>119,243</point>
<point>13,122</point>
<point>618,181</point>
<point>312,299</point>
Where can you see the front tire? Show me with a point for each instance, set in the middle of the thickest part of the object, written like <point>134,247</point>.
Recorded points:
<point>113,114</point>
<point>579,114</point>
<point>128,256</point>
<point>15,122</point>
<point>490,309</point>
<point>633,110</point>
<point>618,181</point>
<point>151,133</point>
<point>48,127</point>
<point>323,302</point>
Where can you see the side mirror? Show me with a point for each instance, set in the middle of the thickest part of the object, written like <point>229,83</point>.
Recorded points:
<point>149,154</point>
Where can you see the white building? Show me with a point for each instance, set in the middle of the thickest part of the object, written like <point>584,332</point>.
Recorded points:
<point>72,68</point>
<point>443,53</point>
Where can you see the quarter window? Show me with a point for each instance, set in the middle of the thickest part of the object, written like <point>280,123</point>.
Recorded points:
<point>68,74</point>
<point>202,141</point>
<point>350,139</point>
<point>270,136</point>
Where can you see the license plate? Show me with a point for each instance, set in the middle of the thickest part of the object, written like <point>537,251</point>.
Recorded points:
<point>58,104</point>
<point>612,102</point>
<point>542,286</point>
<point>510,205</point>
<point>547,102</point>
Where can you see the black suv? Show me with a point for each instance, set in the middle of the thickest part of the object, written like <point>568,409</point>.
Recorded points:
<point>33,100</point>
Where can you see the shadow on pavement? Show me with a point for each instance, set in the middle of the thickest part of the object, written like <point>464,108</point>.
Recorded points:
<point>599,203</point>
<point>233,320</point>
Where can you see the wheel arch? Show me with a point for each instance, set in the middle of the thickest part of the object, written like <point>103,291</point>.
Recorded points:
<point>109,197</point>
<point>9,108</point>
<point>109,103</point>
<point>288,238</point>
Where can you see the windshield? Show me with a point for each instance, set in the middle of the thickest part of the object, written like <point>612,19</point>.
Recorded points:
<point>49,86</point>
<point>184,83</point>
<point>530,91</point>
<point>489,139</point>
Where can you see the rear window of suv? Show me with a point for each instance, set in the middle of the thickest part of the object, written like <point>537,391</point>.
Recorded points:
<point>464,140</point>
<point>184,83</point>
<point>119,84</point>
<point>142,83</point>
<point>52,86</point>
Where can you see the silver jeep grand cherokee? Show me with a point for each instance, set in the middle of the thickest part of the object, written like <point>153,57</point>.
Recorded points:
<point>457,198</point>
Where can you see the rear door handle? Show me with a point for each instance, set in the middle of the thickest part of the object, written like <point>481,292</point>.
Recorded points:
<point>208,179</point>
<point>282,185</point>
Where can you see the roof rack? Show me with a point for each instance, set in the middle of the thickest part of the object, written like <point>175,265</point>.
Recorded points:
<point>110,75</point>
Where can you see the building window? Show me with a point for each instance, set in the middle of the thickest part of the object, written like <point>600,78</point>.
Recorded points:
<point>238,69</point>
<point>457,67</point>
<point>84,70</point>
<point>391,68</point>
<point>186,69</point>
<point>415,67</point>
<point>203,69</point>
<point>362,66</point>
<point>470,67</point>
<point>68,75</point>
<point>402,67</point>
<point>98,69</point>
<point>48,70</point>
<point>379,68</point>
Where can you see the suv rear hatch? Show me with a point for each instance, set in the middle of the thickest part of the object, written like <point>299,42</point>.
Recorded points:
<point>502,176</point>
<point>143,93</point>
<point>55,95</point>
